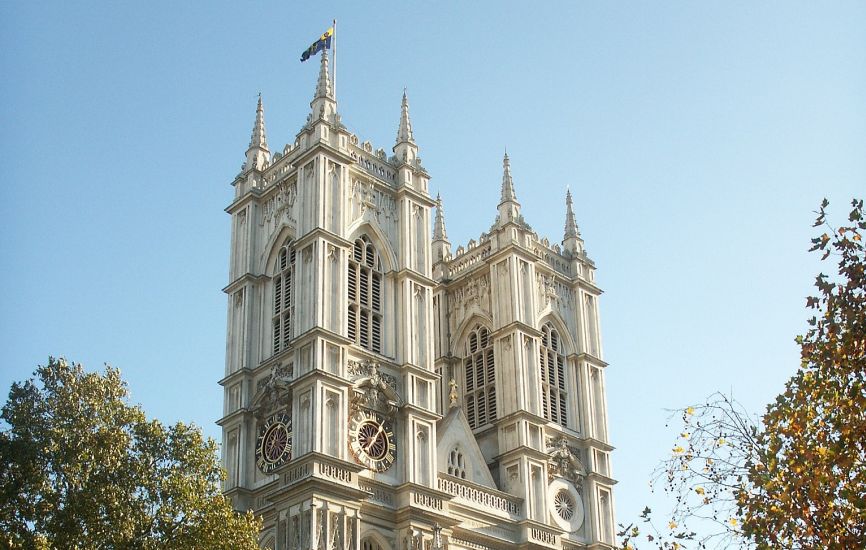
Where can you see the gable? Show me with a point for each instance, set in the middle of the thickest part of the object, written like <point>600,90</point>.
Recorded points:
<point>454,435</point>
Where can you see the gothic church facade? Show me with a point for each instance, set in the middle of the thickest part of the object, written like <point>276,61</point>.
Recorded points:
<point>385,392</point>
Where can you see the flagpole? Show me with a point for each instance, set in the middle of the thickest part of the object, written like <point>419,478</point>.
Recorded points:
<point>335,59</point>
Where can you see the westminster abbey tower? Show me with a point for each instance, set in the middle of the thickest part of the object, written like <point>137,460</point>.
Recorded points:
<point>384,391</point>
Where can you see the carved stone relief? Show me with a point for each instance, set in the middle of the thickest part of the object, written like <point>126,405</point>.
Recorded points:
<point>564,461</point>
<point>476,292</point>
<point>366,196</point>
<point>373,389</point>
<point>281,202</point>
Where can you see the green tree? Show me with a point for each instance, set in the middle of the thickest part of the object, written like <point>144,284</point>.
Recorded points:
<point>795,479</point>
<point>82,468</point>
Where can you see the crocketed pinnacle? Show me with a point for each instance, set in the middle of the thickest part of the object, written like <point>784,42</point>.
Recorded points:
<point>570,224</point>
<point>439,233</point>
<point>404,132</point>
<point>508,194</point>
<point>323,85</point>
<point>258,138</point>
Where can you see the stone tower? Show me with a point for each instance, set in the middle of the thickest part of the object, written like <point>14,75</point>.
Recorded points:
<point>384,393</point>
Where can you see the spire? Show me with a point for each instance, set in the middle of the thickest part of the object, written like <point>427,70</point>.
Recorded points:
<point>439,233</point>
<point>405,148</point>
<point>508,194</point>
<point>441,244</point>
<point>571,242</point>
<point>259,139</point>
<point>323,86</point>
<point>570,225</point>
<point>258,153</point>
<point>509,208</point>
<point>404,132</point>
<point>324,106</point>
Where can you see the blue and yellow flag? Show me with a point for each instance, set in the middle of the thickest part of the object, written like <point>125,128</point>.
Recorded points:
<point>323,42</point>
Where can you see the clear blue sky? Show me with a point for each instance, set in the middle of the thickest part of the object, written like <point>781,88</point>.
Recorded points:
<point>697,138</point>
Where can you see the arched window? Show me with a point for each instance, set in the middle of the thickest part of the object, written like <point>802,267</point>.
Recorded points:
<point>365,295</point>
<point>554,402</point>
<point>480,369</point>
<point>456,464</point>
<point>284,297</point>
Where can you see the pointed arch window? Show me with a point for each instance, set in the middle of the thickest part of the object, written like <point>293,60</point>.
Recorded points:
<point>551,358</point>
<point>479,367</point>
<point>284,297</point>
<point>365,295</point>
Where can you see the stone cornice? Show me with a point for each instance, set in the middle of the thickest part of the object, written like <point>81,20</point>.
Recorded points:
<point>324,234</point>
<point>416,195</point>
<point>242,280</point>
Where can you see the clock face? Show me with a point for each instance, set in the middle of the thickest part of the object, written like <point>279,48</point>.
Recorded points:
<point>371,439</point>
<point>274,445</point>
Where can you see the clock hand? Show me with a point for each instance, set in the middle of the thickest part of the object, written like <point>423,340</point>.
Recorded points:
<point>374,438</point>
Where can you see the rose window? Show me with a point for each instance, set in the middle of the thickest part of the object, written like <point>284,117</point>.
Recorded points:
<point>564,504</point>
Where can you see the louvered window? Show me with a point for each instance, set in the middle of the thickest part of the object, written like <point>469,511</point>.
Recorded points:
<point>284,298</point>
<point>365,295</point>
<point>479,367</point>
<point>551,360</point>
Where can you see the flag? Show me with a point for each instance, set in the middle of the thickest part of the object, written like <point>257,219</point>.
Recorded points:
<point>323,42</point>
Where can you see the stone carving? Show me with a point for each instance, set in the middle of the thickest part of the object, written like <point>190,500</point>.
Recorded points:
<point>475,292</point>
<point>282,200</point>
<point>453,396</point>
<point>552,292</point>
<point>273,392</point>
<point>564,462</point>
<point>437,537</point>
<point>374,391</point>
<point>358,370</point>
<point>366,197</point>
<point>546,290</point>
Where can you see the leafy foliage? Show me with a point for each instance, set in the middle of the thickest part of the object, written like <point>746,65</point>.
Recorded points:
<point>81,468</point>
<point>810,479</point>
<point>796,479</point>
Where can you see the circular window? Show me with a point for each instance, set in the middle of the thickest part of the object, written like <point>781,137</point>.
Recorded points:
<point>565,505</point>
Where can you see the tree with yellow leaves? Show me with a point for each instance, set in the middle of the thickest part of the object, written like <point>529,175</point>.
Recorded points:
<point>795,478</point>
<point>809,479</point>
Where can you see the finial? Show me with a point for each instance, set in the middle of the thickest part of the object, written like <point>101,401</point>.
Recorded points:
<point>404,131</point>
<point>508,194</point>
<point>258,138</point>
<point>439,233</point>
<point>570,224</point>
<point>258,153</point>
<point>323,86</point>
